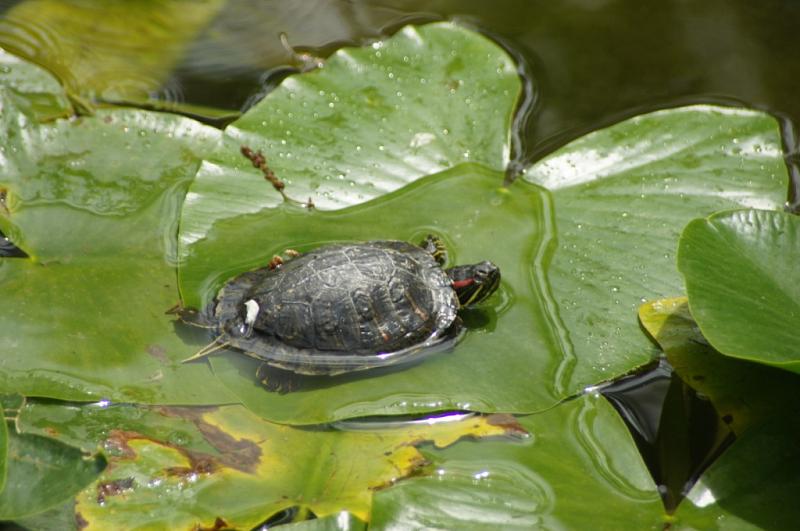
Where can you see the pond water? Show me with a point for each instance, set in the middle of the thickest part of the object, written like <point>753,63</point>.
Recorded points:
<point>592,63</point>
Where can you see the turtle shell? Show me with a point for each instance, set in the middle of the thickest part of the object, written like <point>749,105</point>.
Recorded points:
<point>341,308</point>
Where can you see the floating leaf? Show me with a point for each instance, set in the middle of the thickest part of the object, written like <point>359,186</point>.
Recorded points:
<point>114,51</point>
<point>42,473</point>
<point>506,359</point>
<point>621,197</point>
<point>372,120</point>
<point>94,202</point>
<point>742,392</point>
<point>743,282</point>
<point>258,470</point>
<point>41,95</point>
<point>580,470</point>
<point>3,454</point>
<point>61,517</point>
<point>753,485</point>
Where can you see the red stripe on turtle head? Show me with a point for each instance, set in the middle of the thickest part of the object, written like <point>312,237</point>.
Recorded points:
<point>458,284</point>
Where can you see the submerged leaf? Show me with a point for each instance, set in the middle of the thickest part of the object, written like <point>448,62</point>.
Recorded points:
<point>621,197</point>
<point>743,281</point>
<point>113,51</point>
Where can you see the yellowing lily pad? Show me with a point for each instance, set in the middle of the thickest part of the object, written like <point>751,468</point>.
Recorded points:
<point>257,470</point>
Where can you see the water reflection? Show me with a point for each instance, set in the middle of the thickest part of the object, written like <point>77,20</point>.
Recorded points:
<point>674,428</point>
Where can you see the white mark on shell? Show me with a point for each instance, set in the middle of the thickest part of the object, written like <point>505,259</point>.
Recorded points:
<point>252,312</point>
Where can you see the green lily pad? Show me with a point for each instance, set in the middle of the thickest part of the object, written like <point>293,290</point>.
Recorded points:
<point>112,51</point>
<point>370,121</point>
<point>257,470</point>
<point>41,95</point>
<point>743,282</point>
<point>621,197</point>
<point>343,521</point>
<point>743,393</point>
<point>506,360</point>
<point>752,486</point>
<point>3,454</point>
<point>43,473</point>
<point>580,470</point>
<point>61,517</point>
<point>94,201</point>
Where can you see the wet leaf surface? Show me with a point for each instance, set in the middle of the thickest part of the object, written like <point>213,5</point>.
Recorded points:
<point>257,468</point>
<point>579,470</point>
<point>38,92</point>
<point>42,473</point>
<point>3,455</point>
<point>743,283</point>
<point>753,485</point>
<point>743,393</point>
<point>506,359</point>
<point>621,197</point>
<point>61,517</point>
<point>425,100</point>
<point>94,202</point>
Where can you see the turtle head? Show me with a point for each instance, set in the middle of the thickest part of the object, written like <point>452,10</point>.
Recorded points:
<point>474,283</point>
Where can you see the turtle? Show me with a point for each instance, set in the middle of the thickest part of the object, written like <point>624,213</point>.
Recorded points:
<point>346,307</point>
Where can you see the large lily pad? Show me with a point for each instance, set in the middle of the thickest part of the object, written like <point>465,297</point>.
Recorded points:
<point>743,282</point>
<point>753,485</point>
<point>253,470</point>
<point>42,473</point>
<point>507,358</point>
<point>3,454</point>
<point>94,202</point>
<point>370,121</point>
<point>743,393</point>
<point>621,197</point>
<point>41,94</point>
<point>580,470</point>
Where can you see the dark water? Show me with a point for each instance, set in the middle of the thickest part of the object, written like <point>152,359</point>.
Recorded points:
<point>594,62</point>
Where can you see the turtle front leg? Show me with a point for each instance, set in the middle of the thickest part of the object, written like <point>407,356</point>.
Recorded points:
<point>436,247</point>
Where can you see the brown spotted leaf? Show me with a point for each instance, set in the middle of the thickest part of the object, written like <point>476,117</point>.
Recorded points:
<point>257,469</point>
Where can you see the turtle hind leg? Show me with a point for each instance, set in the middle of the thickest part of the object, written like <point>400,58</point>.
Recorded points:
<point>436,247</point>
<point>277,380</point>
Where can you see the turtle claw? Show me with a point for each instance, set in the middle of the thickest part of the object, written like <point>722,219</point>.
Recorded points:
<point>193,317</point>
<point>207,350</point>
<point>436,247</point>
